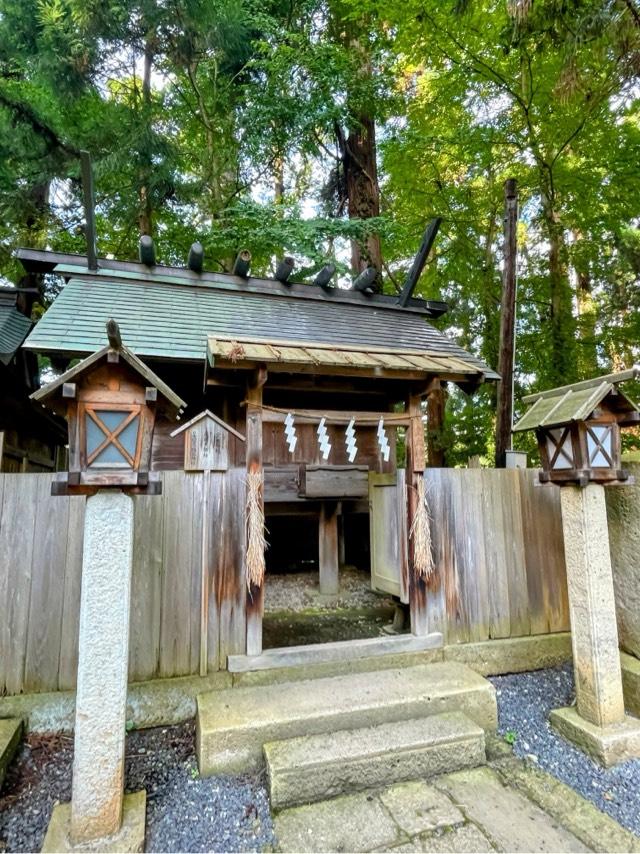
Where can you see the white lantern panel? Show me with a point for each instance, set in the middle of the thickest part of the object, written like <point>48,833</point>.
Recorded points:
<point>111,455</point>
<point>604,436</point>
<point>564,459</point>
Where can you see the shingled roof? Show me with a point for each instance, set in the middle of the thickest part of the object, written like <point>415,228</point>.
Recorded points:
<point>168,313</point>
<point>14,326</point>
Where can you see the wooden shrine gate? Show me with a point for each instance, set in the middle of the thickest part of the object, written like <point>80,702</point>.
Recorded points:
<point>389,534</point>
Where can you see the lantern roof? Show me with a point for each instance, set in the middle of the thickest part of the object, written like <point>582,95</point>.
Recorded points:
<point>566,404</point>
<point>172,403</point>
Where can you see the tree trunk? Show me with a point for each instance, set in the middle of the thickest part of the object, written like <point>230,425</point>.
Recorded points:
<point>562,366</point>
<point>145,216</point>
<point>588,337</point>
<point>361,174</point>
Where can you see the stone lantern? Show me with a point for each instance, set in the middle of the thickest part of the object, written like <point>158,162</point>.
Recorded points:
<point>578,431</point>
<point>110,400</point>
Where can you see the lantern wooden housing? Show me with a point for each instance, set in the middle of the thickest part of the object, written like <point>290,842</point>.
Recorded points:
<point>578,429</point>
<point>110,400</point>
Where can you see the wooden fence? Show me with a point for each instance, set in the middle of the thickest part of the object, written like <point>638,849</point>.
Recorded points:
<point>497,543</point>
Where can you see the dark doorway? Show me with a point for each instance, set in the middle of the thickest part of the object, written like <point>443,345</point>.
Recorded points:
<point>296,613</point>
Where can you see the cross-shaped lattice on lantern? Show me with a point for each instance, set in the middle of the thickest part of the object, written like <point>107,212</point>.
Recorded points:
<point>290,432</point>
<point>385,448</point>
<point>323,439</point>
<point>350,441</point>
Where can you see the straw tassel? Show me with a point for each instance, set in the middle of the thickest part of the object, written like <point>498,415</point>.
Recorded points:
<point>256,542</point>
<point>421,535</point>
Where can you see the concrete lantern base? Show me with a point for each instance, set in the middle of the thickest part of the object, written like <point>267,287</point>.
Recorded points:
<point>130,837</point>
<point>607,745</point>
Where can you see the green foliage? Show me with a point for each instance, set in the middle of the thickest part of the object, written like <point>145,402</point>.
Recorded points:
<point>196,111</point>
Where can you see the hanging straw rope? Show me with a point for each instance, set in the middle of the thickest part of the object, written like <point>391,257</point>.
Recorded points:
<point>421,535</point>
<point>256,542</point>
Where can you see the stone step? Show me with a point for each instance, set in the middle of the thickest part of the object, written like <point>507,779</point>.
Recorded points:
<point>317,767</point>
<point>232,725</point>
<point>10,735</point>
<point>320,653</point>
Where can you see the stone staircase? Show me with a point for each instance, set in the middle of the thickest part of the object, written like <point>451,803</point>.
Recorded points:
<point>344,733</point>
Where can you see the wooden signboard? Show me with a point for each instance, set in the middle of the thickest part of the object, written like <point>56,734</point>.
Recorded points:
<point>206,442</point>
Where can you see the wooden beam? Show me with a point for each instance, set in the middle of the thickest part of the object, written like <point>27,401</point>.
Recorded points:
<point>376,372</point>
<point>255,594</point>
<point>436,402</point>
<point>419,261</point>
<point>89,209</point>
<point>415,470</point>
<point>328,548</point>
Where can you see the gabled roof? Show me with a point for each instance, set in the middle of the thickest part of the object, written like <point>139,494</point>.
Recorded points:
<point>207,414</point>
<point>14,326</point>
<point>176,404</point>
<point>575,402</point>
<point>168,313</point>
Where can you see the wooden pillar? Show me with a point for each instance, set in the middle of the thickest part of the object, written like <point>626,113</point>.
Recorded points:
<point>255,594</point>
<point>436,401</point>
<point>328,548</point>
<point>504,414</point>
<point>415,470</point>
<point>342,549</point>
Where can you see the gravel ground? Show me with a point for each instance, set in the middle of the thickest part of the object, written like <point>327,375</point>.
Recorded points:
<point>184,812</point>
<point>187,813</point>
<point>299,591</point>
<point>524,703</point>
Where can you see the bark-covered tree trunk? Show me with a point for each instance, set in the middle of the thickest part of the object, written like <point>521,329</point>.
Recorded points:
<point>587,333</point>
<point>145,215</point>
<point>562,366</point>
<point>361,174</point>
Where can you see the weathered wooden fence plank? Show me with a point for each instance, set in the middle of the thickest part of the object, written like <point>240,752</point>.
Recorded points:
<point>228,565</point>
<point>146,587</point>
<point>544,549</point>
<point>175,623</point>
<point>4,579</point>
<point>497,546</point>
<point>47,594</point>
<point>436,604</point>
<point>71,579</point>
<point>19,508</point>
<point>497,552</point>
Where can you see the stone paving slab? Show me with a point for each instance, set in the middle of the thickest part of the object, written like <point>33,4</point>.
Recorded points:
<point>596,829</point>
<point>350,823</point>
<point>465,838</point>
<point>506,816</point>
<point>507,808</point>
<point>418,807</point>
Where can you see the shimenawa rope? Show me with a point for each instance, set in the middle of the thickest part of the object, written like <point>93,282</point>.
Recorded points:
<point>421,535</point>
<point>256,542</point>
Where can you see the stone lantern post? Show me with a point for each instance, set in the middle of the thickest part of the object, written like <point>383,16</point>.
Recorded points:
<point>110,401</point>
<point>578,432</point>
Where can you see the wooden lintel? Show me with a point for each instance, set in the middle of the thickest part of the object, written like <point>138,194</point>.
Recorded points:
<point>377,372</point>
